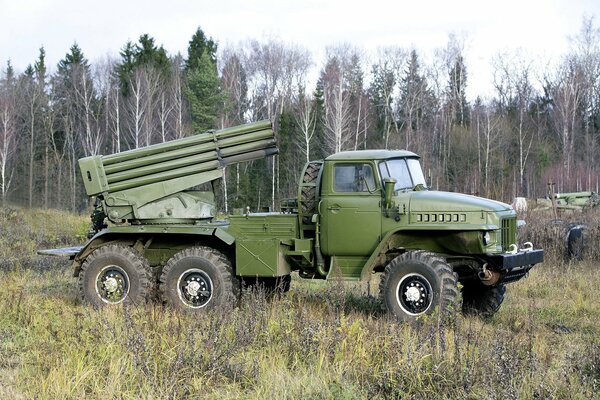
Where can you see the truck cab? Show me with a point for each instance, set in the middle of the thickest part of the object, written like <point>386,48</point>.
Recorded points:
<point>373,209</point>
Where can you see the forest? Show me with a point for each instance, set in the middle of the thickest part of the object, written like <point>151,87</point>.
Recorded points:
<point>538,126</point>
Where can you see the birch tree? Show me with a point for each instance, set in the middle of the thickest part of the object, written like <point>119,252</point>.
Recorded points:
<point>489,125</point>
<point>32,102</point>
<point>566,93</point>
<point>8,129</point>
<point>337,94</point>
<point>512,80</point>
<point>88,105</point>
<point>274,72</point>
<point>585,47</point>
<point>107,86</point>
<point>177,98</point>
<point>305,115</point>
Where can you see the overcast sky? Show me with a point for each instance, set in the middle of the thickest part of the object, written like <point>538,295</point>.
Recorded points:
<point>540,27</point>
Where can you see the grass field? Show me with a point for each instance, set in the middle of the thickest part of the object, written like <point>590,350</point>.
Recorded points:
<point>320,341</point>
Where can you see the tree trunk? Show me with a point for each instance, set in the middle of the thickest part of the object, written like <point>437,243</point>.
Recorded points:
<point>225,197</point>
<point>46,173</point>
<point>31,153</point>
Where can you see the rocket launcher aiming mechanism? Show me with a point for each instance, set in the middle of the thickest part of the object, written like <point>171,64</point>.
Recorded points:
<point>153,183</point>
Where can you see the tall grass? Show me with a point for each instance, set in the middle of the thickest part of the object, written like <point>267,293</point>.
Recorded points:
<point>320,341</point>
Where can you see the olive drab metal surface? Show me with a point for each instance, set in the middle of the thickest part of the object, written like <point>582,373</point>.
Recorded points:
<point>131,180</point>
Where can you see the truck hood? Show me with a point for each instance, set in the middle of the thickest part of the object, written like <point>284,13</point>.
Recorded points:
<point>428,201</point>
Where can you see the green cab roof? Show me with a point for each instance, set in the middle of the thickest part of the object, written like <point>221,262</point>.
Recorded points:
<point>370,155</point>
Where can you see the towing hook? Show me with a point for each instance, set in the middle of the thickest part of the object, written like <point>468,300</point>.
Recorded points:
<point>527,246</point>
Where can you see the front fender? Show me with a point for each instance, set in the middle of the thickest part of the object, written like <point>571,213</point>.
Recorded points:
<point>443,242</point>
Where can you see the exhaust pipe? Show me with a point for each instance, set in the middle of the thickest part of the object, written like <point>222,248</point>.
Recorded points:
<point>488,277</point>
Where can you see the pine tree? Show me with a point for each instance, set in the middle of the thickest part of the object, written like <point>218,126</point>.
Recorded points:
<point>203,87</point>
<point>125,67</point>
<point>145,53</point>
<point>198,46</point>
<point>381,92</point>
<point>62,81</point>
<point>417,102</point>
<point>77,107</point>
<point>288,130</point>
<point>203,95</point>
<point>457,85</point>
<point>75,56</point>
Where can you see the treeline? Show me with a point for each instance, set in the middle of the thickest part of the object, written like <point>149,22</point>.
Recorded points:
<point>537,126</point>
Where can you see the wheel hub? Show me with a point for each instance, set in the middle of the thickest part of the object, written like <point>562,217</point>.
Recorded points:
<point>112,284</point>
<point>192,288</point>
<point>414,294</point>
<point>195,288</point>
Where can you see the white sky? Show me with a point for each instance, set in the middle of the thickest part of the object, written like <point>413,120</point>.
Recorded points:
<point>539,27</point>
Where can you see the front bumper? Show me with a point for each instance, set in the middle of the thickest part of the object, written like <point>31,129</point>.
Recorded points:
<point>514,266</point>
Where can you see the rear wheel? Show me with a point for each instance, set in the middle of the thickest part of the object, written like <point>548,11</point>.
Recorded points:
<point>198,278</point>
<point>417,283</point>
<point>482,300</point>
<point>115,274</point>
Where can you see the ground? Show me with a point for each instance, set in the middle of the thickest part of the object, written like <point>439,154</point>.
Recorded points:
<point>320,341</point>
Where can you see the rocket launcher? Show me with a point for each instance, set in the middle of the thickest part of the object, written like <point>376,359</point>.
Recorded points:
<point>154,182</point>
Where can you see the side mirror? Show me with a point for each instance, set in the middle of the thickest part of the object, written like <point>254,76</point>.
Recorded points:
<point>389,184</point>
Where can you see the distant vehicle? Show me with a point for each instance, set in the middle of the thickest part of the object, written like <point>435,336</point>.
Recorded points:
<point>356,213</point>
<point>567,208</point>
<point>574,201</point>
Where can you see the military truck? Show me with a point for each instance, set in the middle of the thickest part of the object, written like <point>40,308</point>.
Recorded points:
<point>568,227</point>
<point>357,213</point>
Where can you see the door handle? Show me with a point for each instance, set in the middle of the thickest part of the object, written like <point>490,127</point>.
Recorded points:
<point>334,208</point>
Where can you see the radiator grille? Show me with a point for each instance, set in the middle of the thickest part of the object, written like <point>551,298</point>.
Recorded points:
<point>509,232</point>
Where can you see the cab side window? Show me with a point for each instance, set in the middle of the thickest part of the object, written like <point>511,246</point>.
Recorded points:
<point>353,178</point>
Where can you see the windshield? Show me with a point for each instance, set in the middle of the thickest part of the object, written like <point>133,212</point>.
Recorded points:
<point>407,172</point>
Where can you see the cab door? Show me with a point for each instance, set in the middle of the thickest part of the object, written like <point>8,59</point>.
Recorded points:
<point>350,209</point>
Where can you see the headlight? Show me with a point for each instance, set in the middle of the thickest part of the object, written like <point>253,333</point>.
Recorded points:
<point>486,238</point>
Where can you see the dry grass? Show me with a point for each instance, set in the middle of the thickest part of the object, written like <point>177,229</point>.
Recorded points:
<point>321,341</point>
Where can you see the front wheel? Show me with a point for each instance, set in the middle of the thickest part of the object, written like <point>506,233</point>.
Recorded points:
<point>417,283</point>
<point>198,278</point>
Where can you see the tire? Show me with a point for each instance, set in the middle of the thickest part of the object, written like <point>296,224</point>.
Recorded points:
<point>483,301</point>
<point>115,274</point>
<point>308,194</point>
<point>417,283</point>
<point>575,243</point>
<point>199,278</point>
